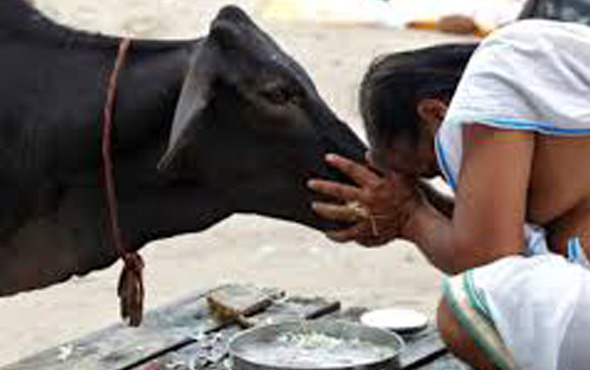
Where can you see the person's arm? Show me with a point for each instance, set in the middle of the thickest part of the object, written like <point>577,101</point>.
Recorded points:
<point>489,211</point>
<point>490,206</point>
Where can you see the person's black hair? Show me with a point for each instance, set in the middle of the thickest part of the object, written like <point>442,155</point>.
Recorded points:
<point>395,83</point>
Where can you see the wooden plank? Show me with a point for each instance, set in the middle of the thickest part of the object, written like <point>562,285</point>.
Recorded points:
<point>421,348</point>
<point>298,308</point>
<point>183,336</point>
<point>210,351</point>
<point>118,344</point>
<point>203,353</point>
<point>424,350</point>
<point>446,362</point>
<point>119,347</point>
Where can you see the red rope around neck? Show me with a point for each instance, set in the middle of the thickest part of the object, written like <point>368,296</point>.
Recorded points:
<point>130,288</point>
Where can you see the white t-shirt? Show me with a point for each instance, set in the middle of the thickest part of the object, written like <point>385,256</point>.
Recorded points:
<point>532,75</point>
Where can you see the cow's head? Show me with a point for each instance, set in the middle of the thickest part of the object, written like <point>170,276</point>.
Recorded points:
<point>250,123</point>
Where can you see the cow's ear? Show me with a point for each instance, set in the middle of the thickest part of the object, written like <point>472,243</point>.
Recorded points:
<point>196,94</point>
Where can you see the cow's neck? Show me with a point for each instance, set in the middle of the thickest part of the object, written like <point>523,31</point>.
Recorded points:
<point>75,240</point>
<point>63,232</point>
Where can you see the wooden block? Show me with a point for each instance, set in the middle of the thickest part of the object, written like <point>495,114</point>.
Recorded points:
<point>235,303</point>
<point>121,347</point>
<point>243,299</point>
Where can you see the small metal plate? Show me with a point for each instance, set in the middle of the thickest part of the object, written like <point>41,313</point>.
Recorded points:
<point>401,320</point>
<point>307,345</point>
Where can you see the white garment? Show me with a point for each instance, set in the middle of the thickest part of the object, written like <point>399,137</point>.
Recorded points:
<point>540,307</point>
<point>532,75</point>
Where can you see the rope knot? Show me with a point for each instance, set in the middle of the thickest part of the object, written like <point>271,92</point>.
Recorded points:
<point>133,262</point>
<point>130,289</point>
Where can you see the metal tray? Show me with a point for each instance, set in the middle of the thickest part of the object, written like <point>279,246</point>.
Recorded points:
<point>307,345</point>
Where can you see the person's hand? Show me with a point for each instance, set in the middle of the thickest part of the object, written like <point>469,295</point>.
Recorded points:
<point>378,206</point>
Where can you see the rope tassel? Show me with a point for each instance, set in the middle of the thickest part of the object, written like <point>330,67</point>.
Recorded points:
<point>130,288</point>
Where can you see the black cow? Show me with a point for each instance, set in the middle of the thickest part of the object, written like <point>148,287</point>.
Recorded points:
<point>202,129</point>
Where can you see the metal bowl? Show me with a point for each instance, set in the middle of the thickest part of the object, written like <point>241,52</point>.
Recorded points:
<point>309,345</point>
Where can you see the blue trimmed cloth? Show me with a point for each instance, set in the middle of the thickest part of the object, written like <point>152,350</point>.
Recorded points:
<point>526,312</point>
<point>533,75</point>
<point>471,310</point>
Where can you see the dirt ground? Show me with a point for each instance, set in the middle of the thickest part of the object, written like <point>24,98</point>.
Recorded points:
<point>244,248</point>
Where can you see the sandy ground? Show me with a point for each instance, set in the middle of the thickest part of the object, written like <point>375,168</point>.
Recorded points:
<point>244,248</point>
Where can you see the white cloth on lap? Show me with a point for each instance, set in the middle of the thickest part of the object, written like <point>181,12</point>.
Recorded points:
<point>541,308</point>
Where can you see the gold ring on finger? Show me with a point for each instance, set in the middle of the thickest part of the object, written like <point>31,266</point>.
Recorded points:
<point>360,212</point>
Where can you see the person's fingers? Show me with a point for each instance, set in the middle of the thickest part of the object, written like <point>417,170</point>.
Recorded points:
<point>359,173</point>
<point>335,189</point>
<point>344,235</point>
<point>360,233</point>
<point>370,241</point>
<point>338,212</point>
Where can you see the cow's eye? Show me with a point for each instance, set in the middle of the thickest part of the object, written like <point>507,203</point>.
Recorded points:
<point>279,95</point>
